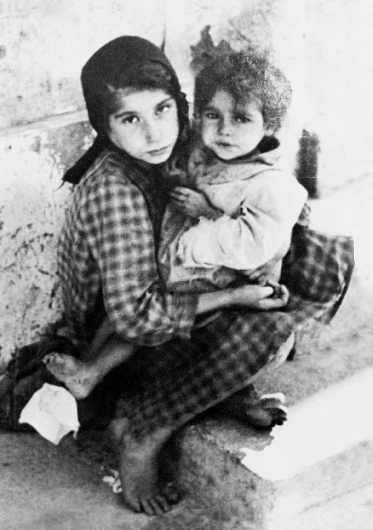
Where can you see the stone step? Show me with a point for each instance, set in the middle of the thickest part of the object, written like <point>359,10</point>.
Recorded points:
<point>324,450</point>
<point>320,459</point>
<point>275,481</point>
<point>352,511</point>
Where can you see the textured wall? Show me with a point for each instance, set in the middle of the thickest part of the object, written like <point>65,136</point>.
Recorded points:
<point>44,44</point>
<point>31,208</point>
<point>338,87</point>
<point>323,46</point>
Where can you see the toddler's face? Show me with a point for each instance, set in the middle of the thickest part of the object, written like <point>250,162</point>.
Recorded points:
<point>145,124</point>
<point>232,130</point>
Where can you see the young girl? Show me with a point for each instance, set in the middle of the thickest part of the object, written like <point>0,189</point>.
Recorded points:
<point>174,369</point>
<point>108,269</point>
<point>239,202</point>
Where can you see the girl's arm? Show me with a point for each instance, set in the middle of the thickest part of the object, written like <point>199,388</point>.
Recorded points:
<point>121,241</point>
<point>253,296</point>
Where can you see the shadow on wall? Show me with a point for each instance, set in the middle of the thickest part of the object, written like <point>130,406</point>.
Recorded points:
<point>307,162</point>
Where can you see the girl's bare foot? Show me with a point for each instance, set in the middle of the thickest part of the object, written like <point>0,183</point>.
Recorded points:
<point>79,377</point>
<point>138,469</point>
<point>262,412</point>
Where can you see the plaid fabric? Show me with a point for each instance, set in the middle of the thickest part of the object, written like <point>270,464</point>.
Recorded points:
<point>181,379</point>
<point>107,263</point>
<point>106,257</point>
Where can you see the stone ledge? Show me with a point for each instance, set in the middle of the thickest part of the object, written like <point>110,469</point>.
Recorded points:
<point>320,453</point>
<point>33,159</point>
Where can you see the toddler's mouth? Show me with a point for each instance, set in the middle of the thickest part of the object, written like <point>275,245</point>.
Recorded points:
<point>224,144</point>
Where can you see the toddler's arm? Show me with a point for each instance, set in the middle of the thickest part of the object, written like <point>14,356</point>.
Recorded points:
<point>251,238</point>
<point>271,269</point>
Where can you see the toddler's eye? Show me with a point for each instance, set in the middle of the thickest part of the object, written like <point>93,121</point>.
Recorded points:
<point>242,119</point>
<point>211,115</point>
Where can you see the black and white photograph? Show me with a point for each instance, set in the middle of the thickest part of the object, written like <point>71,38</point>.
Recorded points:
<point>186,272</point>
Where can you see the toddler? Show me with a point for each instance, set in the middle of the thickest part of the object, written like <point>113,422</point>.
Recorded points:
<point>234,202</point>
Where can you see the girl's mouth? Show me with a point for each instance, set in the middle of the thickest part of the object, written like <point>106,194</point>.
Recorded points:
<point>158,152</point>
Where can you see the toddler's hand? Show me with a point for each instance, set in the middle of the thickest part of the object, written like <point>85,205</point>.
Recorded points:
<point>192,203</point>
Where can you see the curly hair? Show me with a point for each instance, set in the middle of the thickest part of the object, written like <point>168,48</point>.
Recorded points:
<point>245,77</point>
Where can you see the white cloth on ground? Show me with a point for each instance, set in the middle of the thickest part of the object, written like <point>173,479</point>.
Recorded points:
<point>53,412</point>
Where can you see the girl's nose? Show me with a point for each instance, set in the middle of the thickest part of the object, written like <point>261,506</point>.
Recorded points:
<point>152,131</point>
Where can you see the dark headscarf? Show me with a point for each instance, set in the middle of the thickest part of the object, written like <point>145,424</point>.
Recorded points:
<point>105,65</point>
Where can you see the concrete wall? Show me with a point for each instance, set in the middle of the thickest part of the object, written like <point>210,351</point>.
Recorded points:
<point>324,47</point>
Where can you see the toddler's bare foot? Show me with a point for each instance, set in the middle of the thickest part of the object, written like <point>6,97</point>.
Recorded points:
<point>79,377</point>
<point>138,468</point>
<point>260,412</point>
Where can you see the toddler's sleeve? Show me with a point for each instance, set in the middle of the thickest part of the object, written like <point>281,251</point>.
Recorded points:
<point>264,221</point>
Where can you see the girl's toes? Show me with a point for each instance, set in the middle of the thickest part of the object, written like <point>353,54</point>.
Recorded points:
<point>163,503</point>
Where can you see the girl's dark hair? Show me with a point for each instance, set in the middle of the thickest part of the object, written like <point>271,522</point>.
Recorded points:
<point>104,95</point>
<point>126,62</point>
<point>245,76</point>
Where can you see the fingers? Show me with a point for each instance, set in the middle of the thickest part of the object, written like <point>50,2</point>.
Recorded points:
<point>254,275</point>
<point>151,506</point>
<point>284,294</point>
<point>277,291</point>
<point>181,194</point>
<point>261,291</point>
<point>182,200</point>
<point>271,303</point>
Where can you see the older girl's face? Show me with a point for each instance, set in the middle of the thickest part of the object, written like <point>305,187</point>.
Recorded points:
<point>145,124</point>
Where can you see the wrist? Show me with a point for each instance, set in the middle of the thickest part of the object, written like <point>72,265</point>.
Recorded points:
<point>229,297</point>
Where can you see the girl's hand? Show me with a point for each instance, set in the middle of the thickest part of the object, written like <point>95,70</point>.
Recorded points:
<point>192,203</point>
<point>260,297</point>
<point>251,296</point>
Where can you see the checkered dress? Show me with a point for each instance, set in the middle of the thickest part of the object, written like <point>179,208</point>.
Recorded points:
<point>106,257</point>
<point>108,249</point>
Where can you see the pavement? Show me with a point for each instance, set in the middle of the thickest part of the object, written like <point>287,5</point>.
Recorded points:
<point>315,472</point>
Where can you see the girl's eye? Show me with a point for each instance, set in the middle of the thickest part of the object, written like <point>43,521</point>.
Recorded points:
<point>164,108</point>
<point>130,119</point>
